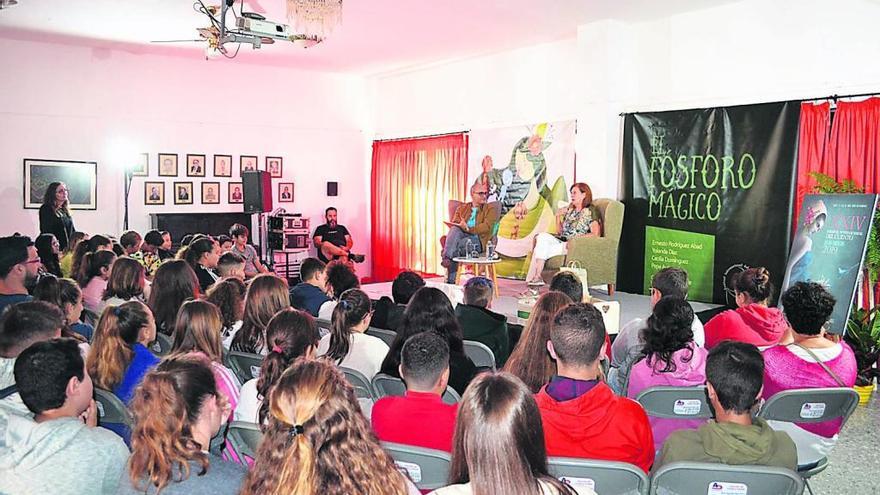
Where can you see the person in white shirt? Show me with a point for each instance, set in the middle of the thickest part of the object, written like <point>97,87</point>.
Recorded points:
<point>347,345</point>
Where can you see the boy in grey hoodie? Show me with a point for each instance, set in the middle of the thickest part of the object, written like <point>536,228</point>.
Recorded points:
<point>735,374</point>
<point>61,450</point>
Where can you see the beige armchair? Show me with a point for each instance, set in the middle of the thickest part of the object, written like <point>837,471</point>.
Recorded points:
<point>597,254</point>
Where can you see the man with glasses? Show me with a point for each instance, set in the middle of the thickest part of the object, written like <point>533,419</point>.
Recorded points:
<point>19,267</point>
<point>472,222</point>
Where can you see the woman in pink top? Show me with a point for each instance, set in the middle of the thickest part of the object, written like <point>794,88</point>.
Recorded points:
<point>92,277</point>
<point>752,322</point>
<point>797,365</point>
<point>671,360</point>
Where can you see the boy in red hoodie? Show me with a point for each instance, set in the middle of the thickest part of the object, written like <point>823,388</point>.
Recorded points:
<point>582,417</point>
<point>753,321</point>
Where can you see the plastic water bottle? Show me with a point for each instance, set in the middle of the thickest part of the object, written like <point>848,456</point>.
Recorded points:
<point>467,248</point>
<point>490,250</point>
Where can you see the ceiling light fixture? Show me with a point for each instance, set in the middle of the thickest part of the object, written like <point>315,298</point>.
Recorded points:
<point>314,18</point>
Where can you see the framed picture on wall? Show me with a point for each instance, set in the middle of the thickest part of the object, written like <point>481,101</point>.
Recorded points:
<point>167,164</point>
<point>210,193</point>
<point>285,192</point>
<point>274,166</point>
<point>195,165</point>
<point>222,165</point>
<point>154,193</point>
<point>248,163</point>
<point>183,193</point>
<point>236,192</point>
<point>81,179</point>
<point>142,167</point>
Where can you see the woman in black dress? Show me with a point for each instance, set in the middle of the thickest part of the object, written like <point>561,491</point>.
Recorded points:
<point>55,216</point>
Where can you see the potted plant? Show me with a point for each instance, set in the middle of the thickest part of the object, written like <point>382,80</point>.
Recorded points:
<point>863,336</point>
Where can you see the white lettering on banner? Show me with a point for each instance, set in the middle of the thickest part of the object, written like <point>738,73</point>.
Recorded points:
<point>686,407</point>
<point>580,485</point>
<point>413,470</point>
<point>726,488</point>
<point>813,410</point>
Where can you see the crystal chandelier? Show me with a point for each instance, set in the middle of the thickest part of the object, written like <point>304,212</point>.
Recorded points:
<point>314,17</point>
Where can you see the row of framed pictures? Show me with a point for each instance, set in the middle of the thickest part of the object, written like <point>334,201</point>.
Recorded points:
<point>197,165</point>
<point>182,192</point>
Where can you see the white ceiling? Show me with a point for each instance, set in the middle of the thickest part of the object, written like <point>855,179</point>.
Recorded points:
<point>375,35</point>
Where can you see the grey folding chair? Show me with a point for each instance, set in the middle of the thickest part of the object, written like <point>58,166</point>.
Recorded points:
<point>387,336</point>
<point>686,478</point>
<point>323,326</point>
<point>810,405</point>
<point>244,438</point>
<point>385,385</point>
<point>162,345</point>
<point>481,355</point>
<point>362,387</point>
<point>427,468</point>
<point>605,477</point>
<point>245,365</point>
<point>111,409</point>
<point>676,402</point>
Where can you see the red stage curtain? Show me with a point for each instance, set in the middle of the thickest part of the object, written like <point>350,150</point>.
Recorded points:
<point>412,183</point>
<point>854,149</point>
<point>812,143</point>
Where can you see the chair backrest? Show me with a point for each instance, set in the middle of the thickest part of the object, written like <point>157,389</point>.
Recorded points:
<point>605,477</point>
<point>611,212</point>
<point>810,405</point>
<point>481,355</point>
<point>245,365</point>
<point>700,477</point>
<point>427,468</point>
<point>362,387</point>
<point>244,438</point>
<point>676,402</point>
<point>387,336</point>
<point>162,345</point>
<point>111,409</point>
<point>385,385</point>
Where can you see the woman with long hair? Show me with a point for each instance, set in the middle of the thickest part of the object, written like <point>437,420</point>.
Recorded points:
<point>55,216</point>
<point>66,261</point>
<point>202,256</point>
<point>197,331</point>
<point>530,361</point>
<point>266,295</point>
<point>291,333</point>
<point>66,294</point>
<point>429,310</point>
<point>753,321</point>
<point>176,412</point>
<point>347,345</point>
<point>579,219</point>
<point>48,249</point>
<point>316,441</point>
<point>498,445</point>
<point>93,276</point>
<point>92,245</point>
<point>671,359</point>
<point>228,295</point>
<point>126,283</point>
<point>174,283</point>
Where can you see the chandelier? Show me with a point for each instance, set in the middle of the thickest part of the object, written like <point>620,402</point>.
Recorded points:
<point>315,18</point>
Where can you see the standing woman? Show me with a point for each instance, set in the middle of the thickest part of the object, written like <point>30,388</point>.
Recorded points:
<point>54,215</point>
<point>578,219</point>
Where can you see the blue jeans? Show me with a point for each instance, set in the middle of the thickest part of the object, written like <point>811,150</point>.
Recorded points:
<point>456,245</point>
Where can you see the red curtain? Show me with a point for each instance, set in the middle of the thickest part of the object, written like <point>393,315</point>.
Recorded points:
<point>854,148</point>
<point>812,141</point>
<point>412,182</point>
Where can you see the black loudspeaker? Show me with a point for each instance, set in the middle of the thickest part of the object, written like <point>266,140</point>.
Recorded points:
<point>332,189</point>
<point>257,191</point>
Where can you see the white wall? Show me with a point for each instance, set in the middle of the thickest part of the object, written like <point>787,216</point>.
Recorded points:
<point>75,103</point>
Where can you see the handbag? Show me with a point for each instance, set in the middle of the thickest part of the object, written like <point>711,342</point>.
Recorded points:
<point>574,267</point>
<point>824,366</point>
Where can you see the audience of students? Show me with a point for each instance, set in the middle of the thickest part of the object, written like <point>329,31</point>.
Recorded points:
<point>347,345</point>
<point>174,283</point>
<point>424,366</point>
<point>19,267</point>
<point>67,296</point>
<point>479,323</point>
<point>309,295</point>
<point>266,295</point>
<point>387,313</point>
<point>91,245</point>
<point>340,278</point>
<point>753,321</point>
<point>291,333</point>
<point>231,265</point>
<point>126,283</point>
<point>252,264</point>
<point>530,361</point>
<point>582,416</point>
<point>61,450</point>
<point>812,360</point>
<point>202,256</point>
<point>49,250</point>
<point>313,428</point>
<point>228,295</point>
<point>131,242</point>
<point>672,359</point>
<point>177,410</point>
<point>93,276</point>
<point>734,372</point>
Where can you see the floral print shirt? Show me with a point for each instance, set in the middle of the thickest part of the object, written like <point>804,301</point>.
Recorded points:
<point>576,223</point>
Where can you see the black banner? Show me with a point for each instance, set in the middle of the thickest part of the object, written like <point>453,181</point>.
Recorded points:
<point>709,191</point>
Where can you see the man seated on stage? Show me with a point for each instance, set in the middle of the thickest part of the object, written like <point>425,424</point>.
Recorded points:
<point>333,241</point>
<point>479,323</point>
<point>472,222</point>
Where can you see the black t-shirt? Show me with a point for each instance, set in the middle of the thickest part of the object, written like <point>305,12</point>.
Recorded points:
<point>333,235</point>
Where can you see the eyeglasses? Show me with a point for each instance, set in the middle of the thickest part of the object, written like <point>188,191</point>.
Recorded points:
<point>481,193</point>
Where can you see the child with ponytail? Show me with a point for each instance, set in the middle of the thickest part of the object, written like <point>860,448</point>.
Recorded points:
<point>347,345</point>
<point>291,333</point>
<point>66,294</point>
<point>92,277</point>
<point>176,412</point>
<point>316,441</point>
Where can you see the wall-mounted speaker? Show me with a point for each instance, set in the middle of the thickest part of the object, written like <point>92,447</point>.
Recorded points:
<point>257,191</point>
<point>332,189</point>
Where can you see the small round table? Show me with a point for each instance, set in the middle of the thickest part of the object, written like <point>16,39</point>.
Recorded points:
<point>486,265</point>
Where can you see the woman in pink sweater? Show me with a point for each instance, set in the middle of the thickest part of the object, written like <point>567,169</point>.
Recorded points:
<point>752,322</point>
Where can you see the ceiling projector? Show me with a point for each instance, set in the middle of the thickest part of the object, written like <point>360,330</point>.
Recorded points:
<point>261,28</point>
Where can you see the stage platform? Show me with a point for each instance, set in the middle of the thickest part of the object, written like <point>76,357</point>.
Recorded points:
<point>631,305</point>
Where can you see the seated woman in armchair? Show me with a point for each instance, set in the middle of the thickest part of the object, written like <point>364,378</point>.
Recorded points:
<point>578,219</point>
